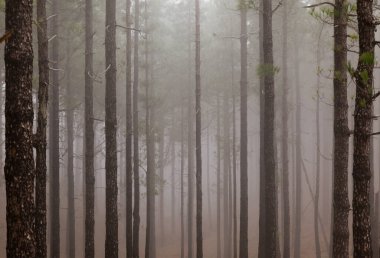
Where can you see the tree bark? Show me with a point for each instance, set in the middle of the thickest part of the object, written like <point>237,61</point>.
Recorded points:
<point>243,248</point>
<point>136,160</point>
<point>341,205</point>
<point>54,190</point>
<point>363,129</point>
<point>41,170</point>
<point>285,137</point>
<point>19,163</point>
<point>111,245</point>
<point>89,136</point>
<point>128,143</point>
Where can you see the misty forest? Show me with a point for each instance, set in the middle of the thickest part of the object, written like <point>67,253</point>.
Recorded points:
<point>189,128</point>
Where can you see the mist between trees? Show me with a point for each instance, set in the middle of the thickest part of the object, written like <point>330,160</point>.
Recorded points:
<point>202,128</point>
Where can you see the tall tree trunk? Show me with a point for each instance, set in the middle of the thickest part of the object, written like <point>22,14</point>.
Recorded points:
<point>182,182</point>
<point>341,203</point>
<point>128,135</point>
<point>173,160</point>
<point>41,170</point>
<point>208,177</point>
<point>285,147</point>
<point>19,163</point>
<point>54,190</point>
<point>243,249</point>
<point>89,136</point>
<point>198,129</point>
<point>70,155</point>
<point>318,154</point>
<point>270,192</point>
<point>298,156</point>
<point>111,248</point>
<point>218,175</point>
<point>226,167</point>
<point>161,165</point>
<point>234,170</point>
<point>136,160</point>
<point>363,129</point>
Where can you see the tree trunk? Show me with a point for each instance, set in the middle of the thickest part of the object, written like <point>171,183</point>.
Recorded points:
<point>128,135</point>
<point>182,183</point>
<point>161,165</point>
<point>136,160</point>
<point>243,249</point>
<point>285,147</point>
<point>270,192</point>
<point>218,174</point>
<point>41,170</point>
<point>363,129</point>
<point>173,181</point>
<point>19,163</point>
<point>111,247</point>
<point>89,136</point>
<point>234,170</point>
<point>341,205</point>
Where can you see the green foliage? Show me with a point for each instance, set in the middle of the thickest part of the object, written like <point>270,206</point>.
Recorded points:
<point>267,69</point>
<point>364,76</point>
<point>362,103</point>
<point>350,69</point>
<point>367,58</point>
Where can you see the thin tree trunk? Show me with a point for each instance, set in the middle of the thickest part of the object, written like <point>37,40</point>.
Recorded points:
<point>54,141</point>
<point>41,170</point>
<point>234,169</point>
<point>161,150</point>
<point>128,142</point>
<point>218,174</point>
<point>182,183</point>
<point>70,157</point>
<point>173,160</point>
<point>111,246</point>
<point>363,129</point>
<point>243,249</point>
<point>285,147</point>
<point>136,161</point>
<point>208,178</point>
<point>341,205</point>
<point>19,164</point>
<point>89,137</point>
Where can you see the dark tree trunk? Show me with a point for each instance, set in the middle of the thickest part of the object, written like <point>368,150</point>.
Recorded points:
<point>111,247</point>
<point>136,160</point>
<point>128,135</point>
<point>243,249</point>
<point>198,129</point>
<point>19,162</point>
<point>70,155</point>
<point>269,182</point>
<point>363,129</point>
<point>341,205</point>
<point>218,175</point>
<point>285,147</point>
<point>89,136</point>
<point>41,170</point>
<point>54,140</point>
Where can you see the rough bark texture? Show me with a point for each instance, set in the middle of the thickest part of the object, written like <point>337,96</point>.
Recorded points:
<point>54,139</point>
<point>198,129</point>
<point>243,248</point>
<point>363,128</point>
<point>128,135</point>
<point>70,154</point>
<point>111,245</point>
<point>136,160</point>
<point>41,170</point>
<point>341,205</point>
<point>285,147</point>
<point>19,162</point>
<point>89,136</point>
<point>269,182</point>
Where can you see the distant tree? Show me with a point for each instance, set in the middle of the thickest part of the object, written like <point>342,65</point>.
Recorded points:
<point>363,130</point>
<point>182,182</point>
<point>341,205</point>
<point>243,249</point>
<point>111,245</point>
<point>19,163</point>
<point>54,136</point>
<point>218,178</point>
<point>40,143</point>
